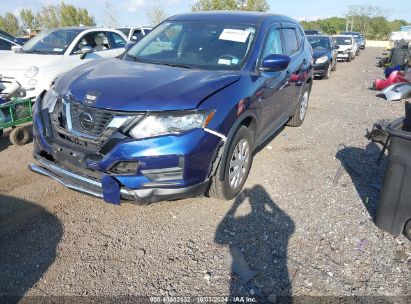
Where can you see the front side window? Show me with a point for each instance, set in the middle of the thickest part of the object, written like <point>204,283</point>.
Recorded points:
<point>118,41</point>
<point>290,42</point>
<point>137,35</point>
<point>273,43</point>
<point>196,44</point>
<point>96,40</point>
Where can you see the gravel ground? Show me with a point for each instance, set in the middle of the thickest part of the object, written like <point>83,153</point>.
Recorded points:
<point>303,226</point>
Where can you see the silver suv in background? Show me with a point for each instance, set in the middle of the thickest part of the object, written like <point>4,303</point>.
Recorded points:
<point>135,33</point>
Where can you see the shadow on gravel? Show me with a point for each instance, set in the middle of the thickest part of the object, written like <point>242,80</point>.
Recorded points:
<point>365,172</point>
<point>4,141</point>
<point>258,243</point>
<point>29,236</point>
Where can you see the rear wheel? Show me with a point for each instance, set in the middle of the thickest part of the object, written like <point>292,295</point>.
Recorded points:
<point>20,136</point>
<point>299,115</point>
<point>237,166</point>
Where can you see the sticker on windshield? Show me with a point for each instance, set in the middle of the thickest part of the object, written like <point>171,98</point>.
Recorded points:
<point>347,40</point>
<point>224,61</point>
<point>57,50</point>
<point>234,35</point>
<point>234,61</point>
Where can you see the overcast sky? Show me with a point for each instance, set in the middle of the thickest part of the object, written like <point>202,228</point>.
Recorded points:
<point>133,12</point>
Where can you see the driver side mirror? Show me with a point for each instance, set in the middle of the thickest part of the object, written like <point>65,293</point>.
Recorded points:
<point>133,38</point>
<point>86,50</point>
<point>275,63</point>
<point>336,47</point>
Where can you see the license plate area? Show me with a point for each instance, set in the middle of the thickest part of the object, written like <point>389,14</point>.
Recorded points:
<point>68,156</point>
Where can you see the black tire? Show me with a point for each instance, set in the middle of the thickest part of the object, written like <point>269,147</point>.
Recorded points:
<point>407,230</point>
<point>349,58</point>
<point>335,66</point>
<point>20,136</point>
<point>328,72</point>
<point>1,132</point>
<point>221,189</point>
<point>297,119</point>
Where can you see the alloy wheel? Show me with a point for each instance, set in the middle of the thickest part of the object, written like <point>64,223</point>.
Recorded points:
<point>239,163</point>
<point>304,105</point>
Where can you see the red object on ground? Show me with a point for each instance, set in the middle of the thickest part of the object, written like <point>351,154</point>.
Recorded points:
<point>395,77</point>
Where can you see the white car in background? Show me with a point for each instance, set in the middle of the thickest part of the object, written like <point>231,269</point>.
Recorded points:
<point>347,46</point>
<point>6,45</point>
<point>32,68</point>
<point>134,34</point>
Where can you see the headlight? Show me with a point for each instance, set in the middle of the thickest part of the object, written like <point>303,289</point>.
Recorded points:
<point>155,125</point>
<point>31,71</point>
<point>348,50</point>
<point>322,59</point>
<point>49,100</point>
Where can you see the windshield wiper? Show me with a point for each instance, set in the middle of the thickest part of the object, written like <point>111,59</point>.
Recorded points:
<point>135,58</point>
<point>178,65</point>
<point>39,52</point>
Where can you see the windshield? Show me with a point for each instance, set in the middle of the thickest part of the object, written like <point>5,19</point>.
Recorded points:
<point>319,43</point>
<point>51,41</point>
<point>125,31</point>
<point>196,44</point>
<point>356,35</point>
<point>342,40</point>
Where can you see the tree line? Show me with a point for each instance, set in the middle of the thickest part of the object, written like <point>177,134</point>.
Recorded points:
<point>369,19</point>
<point>49,16</point>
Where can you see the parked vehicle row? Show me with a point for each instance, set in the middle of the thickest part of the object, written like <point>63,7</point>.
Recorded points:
<point>327,50</point>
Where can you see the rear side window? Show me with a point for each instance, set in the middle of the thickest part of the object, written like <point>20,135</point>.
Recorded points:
<point>291,45</point>
<point>118,41</point>
<point>273,43</point>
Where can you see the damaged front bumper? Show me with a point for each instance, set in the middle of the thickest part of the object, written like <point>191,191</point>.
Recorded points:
<point>94,187</point>
<point>119,168</point>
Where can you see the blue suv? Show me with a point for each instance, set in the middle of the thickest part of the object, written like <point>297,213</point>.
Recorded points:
<point>181,113</point>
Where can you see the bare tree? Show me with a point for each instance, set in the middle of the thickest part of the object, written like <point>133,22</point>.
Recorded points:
<point>359,17</point>
<point>156,14</point>
<point>110,16</point>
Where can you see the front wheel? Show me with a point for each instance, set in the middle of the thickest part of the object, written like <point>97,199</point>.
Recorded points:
<point>299,115</point>
<point>335,66</point>
<point>328,72</point>
<point>237,166</point>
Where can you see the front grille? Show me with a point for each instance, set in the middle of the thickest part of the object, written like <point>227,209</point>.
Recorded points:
<point>101,119</point>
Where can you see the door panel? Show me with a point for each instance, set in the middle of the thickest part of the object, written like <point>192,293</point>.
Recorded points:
<point>274,85</point>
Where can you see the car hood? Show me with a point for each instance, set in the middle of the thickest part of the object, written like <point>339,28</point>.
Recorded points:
<point>131,86</point>
<point>320,53</point>
<point>20,61</point>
